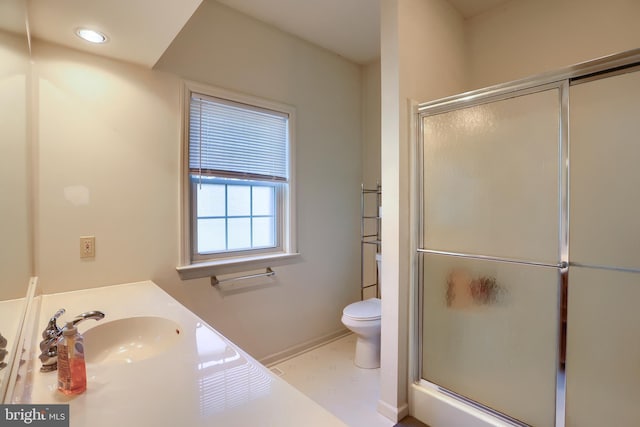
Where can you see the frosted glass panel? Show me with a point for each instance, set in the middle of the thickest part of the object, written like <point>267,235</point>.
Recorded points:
<point>239,236</point>
<point>491,178</point>
<point>263,200</point>
<point>211,199</point>
<point>603,348</point>
<point>605,201</point>
<point>239,200</point>
<point>212,235</point>
<point>490,333</point>
<point>263,232</point>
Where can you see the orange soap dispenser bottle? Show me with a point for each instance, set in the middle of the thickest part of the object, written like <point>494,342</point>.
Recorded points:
<point>72,374</point>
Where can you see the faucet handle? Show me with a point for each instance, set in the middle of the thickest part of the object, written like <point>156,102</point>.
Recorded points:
<point>52,328</point>
<point>58,313</point>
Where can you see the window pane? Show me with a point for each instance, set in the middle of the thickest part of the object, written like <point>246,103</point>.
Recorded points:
<point>211,235</point>
<point>239,233</point>
<point>263,198</point>
<point>263,232</point>
<point>239,197</point>
<point>211,199</point>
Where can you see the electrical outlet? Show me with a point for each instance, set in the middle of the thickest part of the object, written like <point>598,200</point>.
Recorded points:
<point>87,247</point>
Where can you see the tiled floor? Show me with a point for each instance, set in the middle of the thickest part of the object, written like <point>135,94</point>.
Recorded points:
<point>328,376</point>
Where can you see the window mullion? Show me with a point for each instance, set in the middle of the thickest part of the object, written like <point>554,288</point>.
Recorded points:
<point>251,217</point>
<point>226,217</point>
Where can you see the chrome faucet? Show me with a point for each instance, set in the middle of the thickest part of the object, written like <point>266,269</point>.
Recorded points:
<point>48,345</point>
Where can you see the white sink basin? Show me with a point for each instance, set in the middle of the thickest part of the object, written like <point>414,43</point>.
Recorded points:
<point>130,340</point>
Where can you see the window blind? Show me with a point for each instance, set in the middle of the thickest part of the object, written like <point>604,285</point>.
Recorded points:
<point>234,140</point>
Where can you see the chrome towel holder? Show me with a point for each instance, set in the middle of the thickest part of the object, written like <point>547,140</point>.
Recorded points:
<point>268,272</point>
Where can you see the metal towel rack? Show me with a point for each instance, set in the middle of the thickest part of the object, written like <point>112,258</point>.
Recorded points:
<point>215,281</point>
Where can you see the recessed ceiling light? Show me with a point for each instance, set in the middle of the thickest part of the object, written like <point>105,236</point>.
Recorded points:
<point>92,36</point>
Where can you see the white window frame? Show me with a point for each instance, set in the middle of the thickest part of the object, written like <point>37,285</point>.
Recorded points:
<point>193,266</point>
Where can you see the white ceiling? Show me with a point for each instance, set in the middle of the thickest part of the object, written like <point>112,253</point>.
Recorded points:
<point>350,28</point>
<point>141,30</point>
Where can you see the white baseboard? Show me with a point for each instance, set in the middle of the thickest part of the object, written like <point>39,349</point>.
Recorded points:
<point>304,347</point>
<point>394,413</point>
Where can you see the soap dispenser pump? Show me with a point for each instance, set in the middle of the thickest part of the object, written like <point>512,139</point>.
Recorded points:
<point>72,374</point>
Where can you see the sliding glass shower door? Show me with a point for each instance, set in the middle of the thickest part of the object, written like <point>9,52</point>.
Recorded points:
<point>603,341</point>
<point>491,251</point>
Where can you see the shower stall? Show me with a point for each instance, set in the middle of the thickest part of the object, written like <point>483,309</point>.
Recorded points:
<point>528,251</point>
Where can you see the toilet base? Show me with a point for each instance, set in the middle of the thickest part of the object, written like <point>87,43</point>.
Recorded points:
<point>368,352</point>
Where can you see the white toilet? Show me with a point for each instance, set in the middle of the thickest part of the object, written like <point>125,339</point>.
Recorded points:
<point>363,318</point>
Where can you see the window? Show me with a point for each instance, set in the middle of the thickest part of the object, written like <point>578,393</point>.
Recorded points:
<point>234,215</point>
<point>238,178</point>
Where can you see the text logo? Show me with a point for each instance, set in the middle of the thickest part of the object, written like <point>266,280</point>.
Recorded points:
<point>34,415</point>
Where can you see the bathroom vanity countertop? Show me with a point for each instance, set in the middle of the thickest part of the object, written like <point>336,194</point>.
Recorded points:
<point>202,380</point>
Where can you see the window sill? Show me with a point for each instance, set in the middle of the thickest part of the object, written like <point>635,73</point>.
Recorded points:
<point>231,265</point>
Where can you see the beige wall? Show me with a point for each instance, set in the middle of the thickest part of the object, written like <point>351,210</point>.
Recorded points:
<point>431,50</point>
<point>109,144</point>
<point>108,159</point>
<point>422,58</point>
<point>527,37</point>
<point>15,250</point>
<point>371,124</point>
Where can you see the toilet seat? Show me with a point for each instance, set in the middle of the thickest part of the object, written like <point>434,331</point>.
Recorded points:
<point>370,309</point>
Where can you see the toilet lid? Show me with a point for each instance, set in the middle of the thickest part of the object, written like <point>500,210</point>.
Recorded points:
<point>364,310</point>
